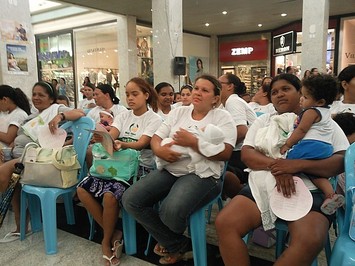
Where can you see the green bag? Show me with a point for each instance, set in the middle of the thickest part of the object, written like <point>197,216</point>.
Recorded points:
<point>121,166</point>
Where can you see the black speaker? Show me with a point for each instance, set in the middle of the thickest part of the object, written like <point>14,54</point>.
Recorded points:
<point>180,65</point>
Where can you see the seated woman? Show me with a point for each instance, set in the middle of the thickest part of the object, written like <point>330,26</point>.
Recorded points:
<point>242,215</point>
<point>131,129</point>
<point>181,190</point>
<point>14,110</point>
<point>49,113</point>
<point>261,100</point>
<point>185,94</point>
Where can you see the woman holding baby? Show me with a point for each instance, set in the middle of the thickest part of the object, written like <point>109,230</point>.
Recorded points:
<point>181,190</point>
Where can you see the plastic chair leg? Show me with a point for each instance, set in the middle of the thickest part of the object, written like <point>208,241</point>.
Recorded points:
<point>34,206</point>
<point>198,237</point>
<point>92,226</point>
<point>69,209</point>
<point>129,233</point>
<point>49,217</point>
<point>149,241</point>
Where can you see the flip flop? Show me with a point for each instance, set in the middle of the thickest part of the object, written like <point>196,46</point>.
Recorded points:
<point>117,248</point>
<point>160,250</point>
<point>12,236</point>
<point>171,258</point>
<point>110,260</point>
<point>331,204</point>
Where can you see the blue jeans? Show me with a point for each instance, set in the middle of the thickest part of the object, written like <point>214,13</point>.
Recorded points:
<point>180,197</point>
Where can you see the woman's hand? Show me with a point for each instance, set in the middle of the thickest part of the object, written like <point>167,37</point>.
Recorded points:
<point>285,184</point>
<point>117,145</point>
<point>167,154</point>
<point>283,166</point>
<point>185,138</point>
<point>53,124</point>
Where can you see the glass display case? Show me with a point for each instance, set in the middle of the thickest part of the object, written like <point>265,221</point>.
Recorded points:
<point>257,74</point>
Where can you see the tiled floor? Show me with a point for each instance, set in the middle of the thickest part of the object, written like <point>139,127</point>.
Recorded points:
<point>75,249</point>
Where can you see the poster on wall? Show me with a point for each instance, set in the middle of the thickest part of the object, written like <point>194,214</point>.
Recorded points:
<point>144,46</point>
<point>17,59</point>
<point>13,31</point>
<point>197,67</point>
<point>147,70</point>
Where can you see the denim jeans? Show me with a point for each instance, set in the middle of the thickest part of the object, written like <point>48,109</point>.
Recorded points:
<point>180,196</point>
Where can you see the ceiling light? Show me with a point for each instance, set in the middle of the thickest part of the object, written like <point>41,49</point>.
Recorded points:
<point>207,24</point>
<point>260,25</point>
<point>283,15</point>
<point>224,12</point>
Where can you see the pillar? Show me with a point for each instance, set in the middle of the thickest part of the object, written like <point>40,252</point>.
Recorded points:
<point>21,43</point>
<point>127,53</point>
<point>314,34</point>
<point>167,39</point>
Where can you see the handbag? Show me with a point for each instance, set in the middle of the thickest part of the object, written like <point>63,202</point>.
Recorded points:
<point>264,238</point>
<point>121,166</point>
<point>48,167</point>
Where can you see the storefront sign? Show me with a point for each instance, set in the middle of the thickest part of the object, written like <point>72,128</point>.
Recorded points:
<point>243,51</point>
<point>284,43</point>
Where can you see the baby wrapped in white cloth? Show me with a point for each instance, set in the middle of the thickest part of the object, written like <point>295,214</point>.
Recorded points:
<point>210,143</point>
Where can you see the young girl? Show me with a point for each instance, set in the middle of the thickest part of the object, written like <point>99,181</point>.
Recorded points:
<point>133,129</point>
<point>311,138</point>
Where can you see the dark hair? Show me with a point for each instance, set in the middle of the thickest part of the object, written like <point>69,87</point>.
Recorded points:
<point>305,73</point>
<point>186,86</point>
<point>322,86</point>
<point>105,88</point>
<point>312,69</point>
<point>146,88</point>
<point>290,78</point>
<point>346,121</point>
<point>65,98</point>
<point>239,86</point>
<point>346,74</point>
<point>264,78</point>
<point>288,68</point>
<point>63,80</point>
<point>17,96</point>
<point>90,85</point>
<point>216,84</point>
<point>55,80</point>
<point>162,85</point>
<point>84,83</point>
<point>199,60</point>
<point>267,88</point>
<point>52,93</point>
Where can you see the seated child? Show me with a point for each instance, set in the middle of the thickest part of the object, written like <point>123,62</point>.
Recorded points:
<point>347,123</point>
<point>210,142</point>
<point>106,119</point>
<point>312,136</point>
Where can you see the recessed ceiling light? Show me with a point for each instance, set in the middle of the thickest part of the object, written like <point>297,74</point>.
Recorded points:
<point>260,25</point>
<point>224,12</point>
<point>283,15</point>
<point>207,24</point>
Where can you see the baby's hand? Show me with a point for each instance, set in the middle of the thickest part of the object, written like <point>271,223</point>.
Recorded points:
<point>117,145</point>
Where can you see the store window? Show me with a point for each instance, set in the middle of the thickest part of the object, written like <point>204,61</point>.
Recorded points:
<point>55,61</point>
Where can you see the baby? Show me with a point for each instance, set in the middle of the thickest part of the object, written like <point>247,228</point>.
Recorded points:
<point>106,119</point>
<point>210,143</point>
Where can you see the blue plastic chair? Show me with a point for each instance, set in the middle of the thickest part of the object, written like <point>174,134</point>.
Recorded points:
<point>42,200</point>
<point>344,247</point>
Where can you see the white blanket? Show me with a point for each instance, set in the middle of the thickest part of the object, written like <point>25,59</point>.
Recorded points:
<point>269,141</point>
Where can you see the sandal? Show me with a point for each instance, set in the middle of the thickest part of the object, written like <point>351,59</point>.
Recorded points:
<point>332,203</point>
<point>160,250</point>
<point>110,260</point>
<point>171,258</point>
<point>117,248</point>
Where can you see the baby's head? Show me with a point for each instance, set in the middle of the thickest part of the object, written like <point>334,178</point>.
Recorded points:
<point>347,123</point>
<point>318,90</point>
<point>106,118</point>
<point>213,134</point>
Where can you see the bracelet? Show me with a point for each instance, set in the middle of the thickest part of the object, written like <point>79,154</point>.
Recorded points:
<point>62,115</point>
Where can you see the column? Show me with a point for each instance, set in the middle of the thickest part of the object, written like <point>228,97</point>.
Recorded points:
<point>314,34</point>
<point>127,53</point>
<point>17,39</point>
<point>167,39</point>
<point>214,70</point>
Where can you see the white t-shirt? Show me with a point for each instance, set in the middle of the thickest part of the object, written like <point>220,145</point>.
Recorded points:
<point>339,140</point>
<point>94,113</point>
<point>132,127</point>
<point>163,115</point>
<point>340,107</point>
<point>269,108</point>
<point>241,112</point>
<point>83,104</point>
<point>182,118</point>
<point>15,118</point>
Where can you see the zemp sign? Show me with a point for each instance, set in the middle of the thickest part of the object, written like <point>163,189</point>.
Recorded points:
<point>243,51</point>
<point>284,43</point>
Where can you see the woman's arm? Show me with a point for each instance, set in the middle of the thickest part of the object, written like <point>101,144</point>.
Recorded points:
<point>254,159</point>
<point>70,115</point>
<point>329,167</point>
<point>164,152</point>
<point>10,135</point>
<point>142,143</point>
